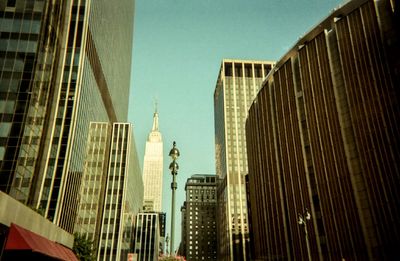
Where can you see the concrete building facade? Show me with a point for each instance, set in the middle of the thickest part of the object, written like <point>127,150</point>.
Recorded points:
<point>31,220</point>
<point>237,85</point>
<point>322,135</point>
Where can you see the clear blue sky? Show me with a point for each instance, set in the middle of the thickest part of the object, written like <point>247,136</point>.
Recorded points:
<point>177,51</point>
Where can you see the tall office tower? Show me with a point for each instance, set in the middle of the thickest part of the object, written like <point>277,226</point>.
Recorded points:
<point>323,135</point>
<point>57,74</point>
<point>153,168</point>
<point>111,193</point>
<point>237,85</point>
<point>200,218</point>
<point>147,233</point>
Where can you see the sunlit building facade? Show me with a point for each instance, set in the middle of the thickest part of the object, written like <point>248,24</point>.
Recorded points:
<point>323,135</point>
<point>111,193</point>
<point>94,179</point>
<point>237,85</point>
<point>153,168</point>
<point>57,75</point>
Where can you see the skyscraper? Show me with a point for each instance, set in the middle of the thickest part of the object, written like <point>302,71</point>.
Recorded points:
<point>153,168</point>
<point>147,236</point>
<point>57,74</point>
<point>323,134</point>
<point>122,187</point>
<point>111,193</point>
<point>199,215</point>
<point>237,85</point>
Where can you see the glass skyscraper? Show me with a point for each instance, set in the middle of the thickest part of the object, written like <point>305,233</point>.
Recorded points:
<point>237,85</point>
<point>31,34</point>
<point>58,74</point>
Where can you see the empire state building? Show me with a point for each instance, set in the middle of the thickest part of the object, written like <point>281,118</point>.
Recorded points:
<point>153,168</point>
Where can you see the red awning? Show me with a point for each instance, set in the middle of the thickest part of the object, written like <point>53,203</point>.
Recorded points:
<point>22,239</point>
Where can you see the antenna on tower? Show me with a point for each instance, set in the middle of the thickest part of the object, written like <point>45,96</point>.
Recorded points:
<point>155,105</point>
<point>155,116</point>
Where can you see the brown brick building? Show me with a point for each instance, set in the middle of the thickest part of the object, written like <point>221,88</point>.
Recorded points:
<point>199,236</point>
<point>323,135</point>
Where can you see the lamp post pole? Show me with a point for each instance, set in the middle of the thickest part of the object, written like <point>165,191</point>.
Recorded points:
<point>302,220</point>
<point>173,167</point>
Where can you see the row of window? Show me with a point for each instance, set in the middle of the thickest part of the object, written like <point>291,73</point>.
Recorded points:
<point>20,26</point>
<point>24,6</point>
<point>248,70</point>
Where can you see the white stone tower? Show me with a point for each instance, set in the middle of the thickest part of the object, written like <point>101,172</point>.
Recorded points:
<point>153,168</point>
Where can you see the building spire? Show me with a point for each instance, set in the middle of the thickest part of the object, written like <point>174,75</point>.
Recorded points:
<point>155,118</point>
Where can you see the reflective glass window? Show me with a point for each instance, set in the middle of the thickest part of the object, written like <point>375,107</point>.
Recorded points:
<point>2,152</point>
<point>5,128</point>
<point>7,106</point>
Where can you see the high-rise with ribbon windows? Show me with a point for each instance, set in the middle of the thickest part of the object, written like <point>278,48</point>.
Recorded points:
<point>237,85</point>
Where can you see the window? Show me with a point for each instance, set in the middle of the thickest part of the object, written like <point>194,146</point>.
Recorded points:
<point>2,152</point>
<point>11,3</point>
<point>228,69</point>
<point>5,128</point>
<point>7,106</point>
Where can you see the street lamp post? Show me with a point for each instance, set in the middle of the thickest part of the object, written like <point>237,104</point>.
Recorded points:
<point>173,167</point>
<point>302,220</point>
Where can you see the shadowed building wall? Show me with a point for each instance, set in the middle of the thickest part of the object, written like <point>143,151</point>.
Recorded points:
<point>146,236</point>
<point>322,134</point>
<point>199,215</point>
